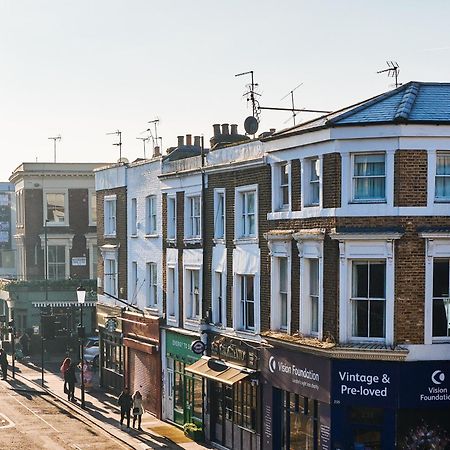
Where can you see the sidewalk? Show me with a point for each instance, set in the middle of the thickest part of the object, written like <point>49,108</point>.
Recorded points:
<point>102,410</point>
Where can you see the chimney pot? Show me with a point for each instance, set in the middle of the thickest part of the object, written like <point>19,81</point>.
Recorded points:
<point>197,141</point>
<point>189,139</point>
<point>180,141</point>
<point>216,128</point>
<point>225,129</point>
<point>156,151</point>
<point>272,130</point>
<point>234,129</point>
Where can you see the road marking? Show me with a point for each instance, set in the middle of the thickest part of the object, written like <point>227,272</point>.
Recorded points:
<point>6,419</point>
<point>37,415</point>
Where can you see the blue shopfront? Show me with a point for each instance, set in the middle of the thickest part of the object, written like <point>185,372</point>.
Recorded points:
<point>379,405</point>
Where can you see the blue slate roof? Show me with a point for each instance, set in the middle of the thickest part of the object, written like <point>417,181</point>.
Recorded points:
<point>414,102</point>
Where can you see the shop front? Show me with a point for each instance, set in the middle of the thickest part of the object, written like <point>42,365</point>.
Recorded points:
<point>183,391</point>
<point>230,379</point>
<point>143,359</point>
<point>296,393</point>
<point>364,404</point>
<point>111,352</point>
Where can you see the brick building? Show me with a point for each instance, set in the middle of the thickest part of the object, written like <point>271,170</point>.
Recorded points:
<point>56,245</point>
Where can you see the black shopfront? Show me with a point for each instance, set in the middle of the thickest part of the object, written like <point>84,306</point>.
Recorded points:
<point>232,412</point>
<point>296,400</point>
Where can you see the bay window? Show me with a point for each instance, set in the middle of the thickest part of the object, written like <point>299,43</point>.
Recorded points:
<point>369,177</point>
<point>442,180</point>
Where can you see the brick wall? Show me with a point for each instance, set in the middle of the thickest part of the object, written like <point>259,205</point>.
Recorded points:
<point>120,239</point>
<point>331,180</point>
<point>410,184</point>
<point>296,185</point>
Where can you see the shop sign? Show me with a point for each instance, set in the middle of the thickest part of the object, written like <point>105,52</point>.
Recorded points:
<point>425,383</point>
<point>79,261</point>
<point>364,382</point>
<point>234,350</point>
<point>301,373</point>
<point>179,345</point>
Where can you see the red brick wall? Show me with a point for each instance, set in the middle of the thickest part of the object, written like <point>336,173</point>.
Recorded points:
<point>331,180</point>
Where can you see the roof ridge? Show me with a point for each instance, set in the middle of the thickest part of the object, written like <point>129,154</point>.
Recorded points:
<point>405,106</point>
<point>369,103</point>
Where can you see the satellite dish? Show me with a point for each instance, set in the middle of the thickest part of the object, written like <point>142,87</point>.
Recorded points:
<point>251,125</point>
<point>123,160</point>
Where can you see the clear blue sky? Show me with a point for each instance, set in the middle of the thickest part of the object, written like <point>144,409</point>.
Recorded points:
<point>87,67</point>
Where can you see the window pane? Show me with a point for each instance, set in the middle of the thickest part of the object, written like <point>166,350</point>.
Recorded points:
<point>441,317</point>
<point>443,165</point>
<point>251,202</point>
<point>443,187</point>
<point>377,309</point>
<point>377,280</point>
<point>369,188</point>
<point>314,276</point>
<point>360,314</point>
<point>369,165</point>
<point>314,171</point>
<point>360,280</point>
<point>283,274</point>
<point>55,207</point>
<point>441,278</point>
<point>94,208</point>
<point>251,225</point>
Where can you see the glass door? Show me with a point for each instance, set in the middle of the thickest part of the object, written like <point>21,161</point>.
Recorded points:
<point>222,414</point>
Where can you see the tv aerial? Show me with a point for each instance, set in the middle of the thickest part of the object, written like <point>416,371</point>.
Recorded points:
<point>144,140</point>
<point>293,109</point>
<point>393,71</point>
<point>119,144</point>
<point>55,138</point>
<point>251,123</point>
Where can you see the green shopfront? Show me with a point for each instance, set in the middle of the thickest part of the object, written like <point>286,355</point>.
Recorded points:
<point>183,391</point>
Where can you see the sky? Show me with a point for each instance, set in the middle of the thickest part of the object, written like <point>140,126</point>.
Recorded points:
<point>87,68</point>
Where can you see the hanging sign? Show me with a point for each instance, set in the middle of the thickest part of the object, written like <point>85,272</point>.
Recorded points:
<point>198,347</point>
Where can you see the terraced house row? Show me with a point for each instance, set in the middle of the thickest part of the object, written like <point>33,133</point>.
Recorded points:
<point>311,264</point>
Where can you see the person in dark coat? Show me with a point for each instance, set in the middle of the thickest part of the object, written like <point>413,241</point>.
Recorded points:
<point>3,363</point>
<point>125,401</point>
<point>70,377</point>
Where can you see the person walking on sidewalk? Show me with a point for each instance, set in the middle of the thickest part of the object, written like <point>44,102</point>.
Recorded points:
<point>64,367</point>
<point>138,410</point>
<point>70,378</point>
<point>3,363</point>
<point>125,401</point>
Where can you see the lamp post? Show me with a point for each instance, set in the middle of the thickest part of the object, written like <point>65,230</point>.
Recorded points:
<point>81,296</point>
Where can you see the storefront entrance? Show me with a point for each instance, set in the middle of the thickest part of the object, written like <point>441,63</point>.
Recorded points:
<point>222,414</point>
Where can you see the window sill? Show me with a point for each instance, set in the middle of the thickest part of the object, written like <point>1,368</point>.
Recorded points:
<point>192,240</point>
<point>151,235</point>
<point>172,320</point>
<point>133,236</point>
<point>312,205</point>
<point>443,200</point>
<point>368,201</point>
<point>153,310</point>
<point>244,333</point>
<point>56,224</point>
<point>243,240</point>
<point>219,241</point>
<point>171,240</point>
<point>109,236</point>
<point>441,340</point>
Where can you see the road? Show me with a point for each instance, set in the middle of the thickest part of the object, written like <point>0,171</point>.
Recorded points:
<point>31,419</point>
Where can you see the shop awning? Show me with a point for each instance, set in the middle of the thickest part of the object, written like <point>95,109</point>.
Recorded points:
<point>216,370</point>
<point>62,304</point>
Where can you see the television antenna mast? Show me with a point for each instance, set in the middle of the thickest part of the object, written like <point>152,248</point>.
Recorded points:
<point>291,94</point>
<point>55,138</point>
<point>251,125</point>
<point>119,144</point>
<point>392,70</point>
<point>144,140</point>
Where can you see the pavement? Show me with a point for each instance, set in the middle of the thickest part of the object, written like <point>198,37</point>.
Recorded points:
<point>101,409</point>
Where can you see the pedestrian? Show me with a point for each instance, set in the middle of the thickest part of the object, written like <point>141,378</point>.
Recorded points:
<point>64,367</point>
<point>125,401</point>
<point>25,343</point>
<point>138,410</point>
<point>3,363</point>
<point>71,378</point>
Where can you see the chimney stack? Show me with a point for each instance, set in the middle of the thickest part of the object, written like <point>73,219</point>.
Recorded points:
<point>180,141</point>
<point>189,139</point>
<point>156,151</point>
<point>225,129</point>
<point>234,129</point>
<point>197,141</point>
<point>216,128</point>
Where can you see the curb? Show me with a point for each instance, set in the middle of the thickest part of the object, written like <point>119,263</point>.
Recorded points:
<point>76,408</point>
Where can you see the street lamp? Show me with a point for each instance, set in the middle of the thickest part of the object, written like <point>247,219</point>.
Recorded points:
<point>81,296</point>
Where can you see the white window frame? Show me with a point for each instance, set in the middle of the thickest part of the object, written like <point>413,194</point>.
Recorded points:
<point>193,222</point>
<point>310,247</point>
<point>365,246</point>
<point>171,217</point>
<point>65,193</point>
<point>190,313</point>
<point>219,219</point>
<point>172,294</point>
<point>151,297</point>
<point>385,176</point>
<point>92,201</point>
<point>307,183</point>
<point>133,217</point>
<point>110,220</point>
<point>151,223</point>
<point>110,279</point>
<point>65,240</point>
<point>280,247</point>
<point>437,155</point>
<point>219,291</point>
<point>242,282</point>
<point>62,263</point>
<point>241,214</point>
<point>437,247</point>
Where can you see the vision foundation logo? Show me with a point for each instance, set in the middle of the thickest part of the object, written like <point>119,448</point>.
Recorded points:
<point>302,376</point>
<point>436,393</point>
